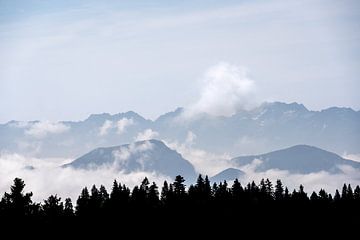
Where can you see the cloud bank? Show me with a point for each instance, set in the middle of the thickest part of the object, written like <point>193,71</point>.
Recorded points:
<point>312,181</point>
<point>123,154</point>
<point>226,88</point>
<point>123,123</point>
<point>105,128</point>
<point>44,128</point>
<point>48,178</point>
<point>204,162</point>
<point>147,134</point>
<point>120,126</point>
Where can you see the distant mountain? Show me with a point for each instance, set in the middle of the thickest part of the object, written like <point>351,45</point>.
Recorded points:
<point>266,128</point>
<point>229,174</point>
<point>297,159</point>
<point>148,156</point>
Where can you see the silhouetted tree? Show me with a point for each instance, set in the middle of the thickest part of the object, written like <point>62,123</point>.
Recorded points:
<point>95,201</point>
<point>68,208</point>
<point>83,203</point>
<point>53,207</point>
<point>349,194</point>
<point>314,197</point>
<point>104,197</point>
<point>153,196</point>
<point>287,195</point>
<point>337,196</point>
<point>179,187</point>
<point>165,192</point>
<point>236,190</point>
<point>357,193</point>
<point>16,203</point>
<point>323,195</point>
<point>279,190</point>
<point>344,192</point>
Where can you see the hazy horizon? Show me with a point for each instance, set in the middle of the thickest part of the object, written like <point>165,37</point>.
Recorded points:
<point>66,60</point>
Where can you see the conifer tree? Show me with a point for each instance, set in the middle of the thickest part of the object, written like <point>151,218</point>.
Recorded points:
<point>279,190</point>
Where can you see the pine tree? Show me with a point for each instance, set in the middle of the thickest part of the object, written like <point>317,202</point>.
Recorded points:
<point>314,197</point>
<point>95,201</point>
<point>337,196</point>
<point>237,190</point>
<point>153,195</point>
<point>286,194</point>
<point>179,187</point>
<point>165,192</point>
<point>344,192</point>
<point>269,189</point>
<point>104,197</point>
<point>83,203</point>
<point>302,195</point>
<point>207,188</point>
<point>357,193</point>
<point>16,203</point>
<point>350,194</point>
<point>68,209</point>
<point>53,207</point>
<point>323,196</point>
<point>279,190</point>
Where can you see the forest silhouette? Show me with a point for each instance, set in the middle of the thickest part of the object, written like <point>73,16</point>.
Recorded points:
<point>198,204</point>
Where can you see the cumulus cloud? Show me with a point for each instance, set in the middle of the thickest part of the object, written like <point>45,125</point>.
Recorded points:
<point>42,129</point>
<point>120,125</point>
<point>203,161</point>
<point>123,154</point>
<point>48,178</point>
<point>226,88</point>
<point>123,123</point>
<point>104,129</point>
<point>147,134</point>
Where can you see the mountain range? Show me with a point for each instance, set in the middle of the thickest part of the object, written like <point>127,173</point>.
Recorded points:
<point>155,156</point>
<point>266,128</point>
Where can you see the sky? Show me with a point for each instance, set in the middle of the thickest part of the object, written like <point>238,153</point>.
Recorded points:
<point>63,60</point>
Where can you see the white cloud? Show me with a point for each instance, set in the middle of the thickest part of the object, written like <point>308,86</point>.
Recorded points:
<point>104,129</point>
<point>123,123</point>
<point>48,178</point>
<point>354,157</point>
<point>120,125</point>
<point>190,138</point>
<point>146,135</point>
<point>43,128</point>
<point>204,162</point>
<point>123,154</point>
<point>226,89</point>
<point>311,181</point>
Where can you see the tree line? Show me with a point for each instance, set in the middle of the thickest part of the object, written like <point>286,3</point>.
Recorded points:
<point>176,198</point>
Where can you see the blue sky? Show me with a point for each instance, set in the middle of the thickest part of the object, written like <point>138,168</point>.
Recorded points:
<point>67,59</point>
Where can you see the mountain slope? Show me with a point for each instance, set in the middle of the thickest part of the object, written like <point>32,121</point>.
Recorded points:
<point>297,159</point>
<point>148,156</point>
<point>228,175</point>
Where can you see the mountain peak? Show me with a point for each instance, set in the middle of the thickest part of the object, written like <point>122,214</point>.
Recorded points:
<point>147,156</point>
<point>228,174</point>
<point>170,115</point>
<point>298,159</point>
<point>294,106</point>
<point>98,116</point>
